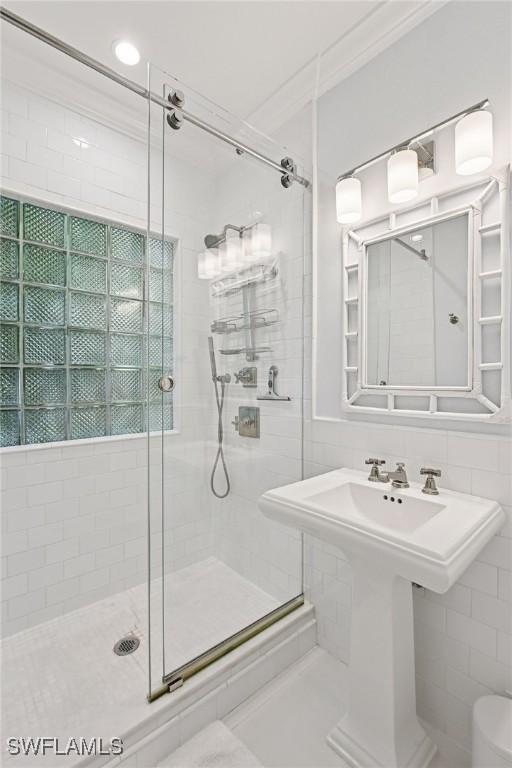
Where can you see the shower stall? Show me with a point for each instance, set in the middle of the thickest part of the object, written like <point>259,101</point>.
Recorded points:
<point>153,542</point>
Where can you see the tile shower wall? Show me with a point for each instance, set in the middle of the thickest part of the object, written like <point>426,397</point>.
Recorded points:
<point>73,516</point>
<point>268,554</point>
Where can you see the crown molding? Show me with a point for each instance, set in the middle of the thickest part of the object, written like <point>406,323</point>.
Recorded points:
<point>379,29</point>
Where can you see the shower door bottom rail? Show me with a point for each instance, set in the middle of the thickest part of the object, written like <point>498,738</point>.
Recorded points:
<point>174,680</point>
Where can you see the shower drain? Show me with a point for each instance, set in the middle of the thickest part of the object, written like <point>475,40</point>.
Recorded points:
<point>126,645</point>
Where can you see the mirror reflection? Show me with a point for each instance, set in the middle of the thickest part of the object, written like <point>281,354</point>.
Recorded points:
<point>417,307</point>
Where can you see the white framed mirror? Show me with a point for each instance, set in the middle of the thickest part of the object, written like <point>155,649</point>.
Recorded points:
<point>426,295</point>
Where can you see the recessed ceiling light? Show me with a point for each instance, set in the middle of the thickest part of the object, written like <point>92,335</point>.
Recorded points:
<point>417,238</point>
<point>80,142</point>
<point>126,52</point>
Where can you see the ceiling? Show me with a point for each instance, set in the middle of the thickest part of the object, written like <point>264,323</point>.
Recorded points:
<point>235,53</point>
<point>246,56</point>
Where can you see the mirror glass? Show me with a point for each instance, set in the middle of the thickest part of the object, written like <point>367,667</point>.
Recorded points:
<point>417,307</point>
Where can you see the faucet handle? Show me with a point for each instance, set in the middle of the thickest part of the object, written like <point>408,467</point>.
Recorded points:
<point>375,476</point>
<point>429,471</point>
<point>430,487</point>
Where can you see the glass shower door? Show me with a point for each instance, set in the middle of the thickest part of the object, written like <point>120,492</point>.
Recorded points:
<point>224,321</point>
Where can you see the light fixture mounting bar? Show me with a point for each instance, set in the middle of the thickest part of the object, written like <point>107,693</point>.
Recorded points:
<point>223,236</point>
<point>417,138</point>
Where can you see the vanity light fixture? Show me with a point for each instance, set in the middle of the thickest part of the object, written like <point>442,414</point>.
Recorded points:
<point>208,264</point>
<point>407,164</point>
<point>236,248</point>
<point>473,142</point>
<point>402,176</point>
<point>261,242</point>
<point>348,200</point>
<point>126,52</point>
<point>230,252</point>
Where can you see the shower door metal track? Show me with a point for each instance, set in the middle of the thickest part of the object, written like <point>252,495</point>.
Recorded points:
<point>174,680</point>
<point>140,90</point>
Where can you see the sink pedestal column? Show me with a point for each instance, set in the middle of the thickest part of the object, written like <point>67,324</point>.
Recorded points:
<point>380,727</point>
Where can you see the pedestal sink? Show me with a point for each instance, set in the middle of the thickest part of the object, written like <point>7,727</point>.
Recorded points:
<point>391,537</point>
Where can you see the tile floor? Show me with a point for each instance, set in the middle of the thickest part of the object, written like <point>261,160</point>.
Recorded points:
<point>61,678</point>
<point>286,722</point>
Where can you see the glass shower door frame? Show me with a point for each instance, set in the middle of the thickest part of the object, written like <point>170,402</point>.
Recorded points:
<point>175,678</point>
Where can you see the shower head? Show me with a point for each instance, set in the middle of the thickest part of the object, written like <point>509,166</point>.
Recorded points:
<point>212,241</point>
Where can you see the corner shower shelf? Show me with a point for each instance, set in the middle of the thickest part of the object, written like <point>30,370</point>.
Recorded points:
<point>490,366</point>
<point>260,318</point>
<point>237,281</point>
<point>352,300</point>
<point>490,274</point>
<point>245,351</point>
<point>250,319</point>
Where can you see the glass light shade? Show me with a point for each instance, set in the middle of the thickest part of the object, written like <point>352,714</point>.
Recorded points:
<point>348,200</point>
<point>231,254</point>
<point>473,143</point>
<point>402,176</point>
<point>261,242</point>
<point>208,264</point>
<point>246,249</point>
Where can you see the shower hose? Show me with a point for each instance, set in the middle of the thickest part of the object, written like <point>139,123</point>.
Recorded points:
<point>220,439</point>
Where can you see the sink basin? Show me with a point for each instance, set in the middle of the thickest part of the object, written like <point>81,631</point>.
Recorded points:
<point>427,539</point>
<point>391,537</point>
<point>372,506</point>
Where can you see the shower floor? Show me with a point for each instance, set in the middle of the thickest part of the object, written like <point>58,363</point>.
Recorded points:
<point>62,678</point>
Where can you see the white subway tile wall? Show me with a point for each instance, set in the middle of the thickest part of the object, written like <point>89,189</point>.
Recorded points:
<point>74,517</point>
<point>81,536</point>
<point>267,553</point>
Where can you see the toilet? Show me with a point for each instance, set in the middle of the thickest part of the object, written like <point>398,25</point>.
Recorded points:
<point>492,732</point>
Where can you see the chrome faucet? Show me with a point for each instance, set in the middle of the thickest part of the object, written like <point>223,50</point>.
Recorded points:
<point>399,476</point>
<point>430,486</point>
<point>375,475</point>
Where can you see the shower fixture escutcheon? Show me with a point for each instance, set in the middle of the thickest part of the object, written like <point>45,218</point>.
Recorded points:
<point>247,377</point>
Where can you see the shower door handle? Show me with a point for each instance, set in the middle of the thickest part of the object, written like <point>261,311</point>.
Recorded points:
<point>166,383</point>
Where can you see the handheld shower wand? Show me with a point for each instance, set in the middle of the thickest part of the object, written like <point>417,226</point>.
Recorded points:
<point>219,398</point>
<point>213,364</point>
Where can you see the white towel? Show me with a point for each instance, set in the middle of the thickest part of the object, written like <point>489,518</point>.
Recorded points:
<point>213,747</point>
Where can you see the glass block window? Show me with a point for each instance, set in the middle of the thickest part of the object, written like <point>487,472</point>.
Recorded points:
<point>77,296</point>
